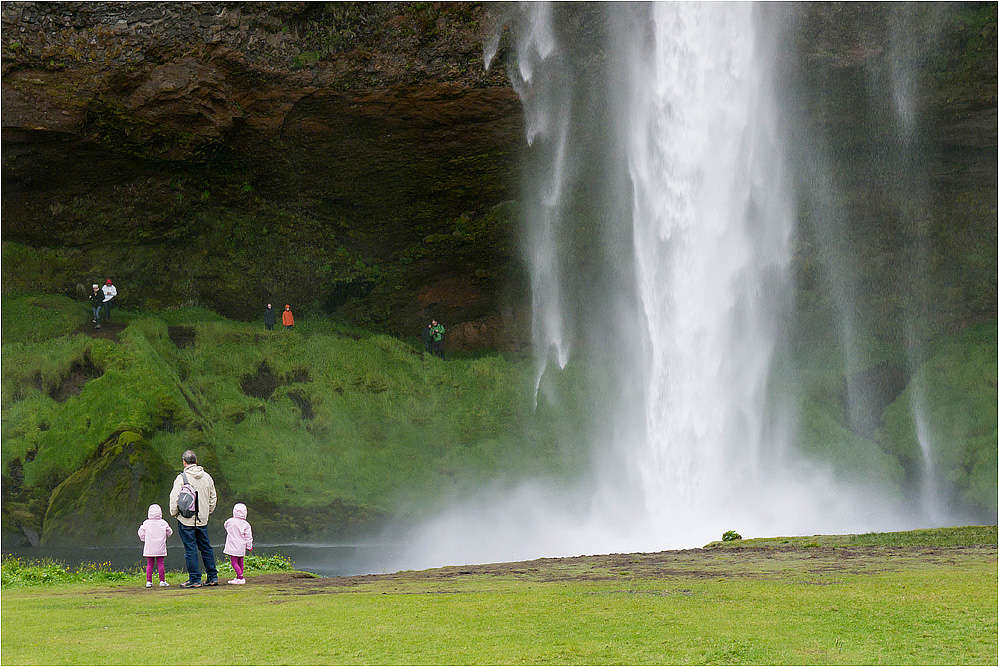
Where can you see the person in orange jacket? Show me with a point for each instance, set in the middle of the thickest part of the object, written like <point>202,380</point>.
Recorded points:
<point>287,319</point>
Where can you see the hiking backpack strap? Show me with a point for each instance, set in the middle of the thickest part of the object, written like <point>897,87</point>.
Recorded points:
<point>196,503</point>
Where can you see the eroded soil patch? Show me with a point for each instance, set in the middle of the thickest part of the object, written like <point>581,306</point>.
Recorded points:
<point>263,382</point>
<point>181,336</point>
<point>260,384</point>
<point>303,403</point>
<point>108,331</point>
<point>79,374</point>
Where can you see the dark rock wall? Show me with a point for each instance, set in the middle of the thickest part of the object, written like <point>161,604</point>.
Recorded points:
<point>339,157</point>
<point>350,157</point>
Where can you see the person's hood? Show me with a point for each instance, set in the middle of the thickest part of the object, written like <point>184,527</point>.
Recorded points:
<point>195,471</point>
<point>154,512</point>
<point>239,511</point>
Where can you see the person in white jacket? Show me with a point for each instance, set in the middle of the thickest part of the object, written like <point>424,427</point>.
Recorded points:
<point>238,540</point>
<point>110,292</point>
<point>154,532</point>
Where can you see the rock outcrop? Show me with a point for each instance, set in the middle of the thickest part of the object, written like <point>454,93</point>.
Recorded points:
<point>324,144</point>
<point>352,157</point>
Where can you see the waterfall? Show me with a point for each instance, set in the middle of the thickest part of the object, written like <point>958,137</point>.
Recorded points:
<point>660,229</point>
<point>712,230</point>
<point>910,194</point>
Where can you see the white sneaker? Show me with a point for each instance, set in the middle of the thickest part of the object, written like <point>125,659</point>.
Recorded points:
<point>163,584</point>
<point>149,584</point>
<point>241,581</point>
<point>233,581</point>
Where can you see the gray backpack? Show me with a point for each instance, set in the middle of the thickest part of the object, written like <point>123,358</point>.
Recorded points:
<point>187,501</point>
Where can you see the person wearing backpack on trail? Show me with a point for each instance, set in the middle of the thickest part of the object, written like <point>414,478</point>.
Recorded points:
<point>154,532</point>
<point>238,540</point>
<point>193,529</point>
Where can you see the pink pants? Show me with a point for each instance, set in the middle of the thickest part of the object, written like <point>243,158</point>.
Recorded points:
<point>158,561</point>
<point>237,565</point>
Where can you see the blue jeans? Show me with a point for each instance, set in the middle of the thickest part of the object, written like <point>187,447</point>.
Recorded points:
<point>195,538</point>
<point>97,313</point>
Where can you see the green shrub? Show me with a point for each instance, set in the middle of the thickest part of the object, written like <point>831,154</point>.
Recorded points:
<point>17,572</point>
<point>252,563</point>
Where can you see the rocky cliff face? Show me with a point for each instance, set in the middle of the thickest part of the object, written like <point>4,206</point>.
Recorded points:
<point>352,157</point>
<point>333,156</point>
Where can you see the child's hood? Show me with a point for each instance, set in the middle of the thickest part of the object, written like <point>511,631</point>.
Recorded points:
<point>239,511</point>
<point>154,512</point>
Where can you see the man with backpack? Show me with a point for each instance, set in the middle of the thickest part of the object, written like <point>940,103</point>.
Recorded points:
<point>437,338</point>
<point>192,499</point>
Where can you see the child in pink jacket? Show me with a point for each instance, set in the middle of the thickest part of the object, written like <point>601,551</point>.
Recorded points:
<point>154,531</point>
<point>238,540</point>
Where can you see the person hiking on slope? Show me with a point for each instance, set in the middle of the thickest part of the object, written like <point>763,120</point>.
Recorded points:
<point>437,338</point>
<point>110,292</point>
<point>97,302</point>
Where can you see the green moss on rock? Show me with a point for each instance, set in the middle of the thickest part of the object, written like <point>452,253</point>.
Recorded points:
<point>107,499</point>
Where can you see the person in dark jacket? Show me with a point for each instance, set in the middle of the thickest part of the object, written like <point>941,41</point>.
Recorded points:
<point>269,317</point>
<point>427,344</point>
<point>97,302</point>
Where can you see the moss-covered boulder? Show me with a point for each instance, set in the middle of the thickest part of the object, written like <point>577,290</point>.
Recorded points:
<point>108,498</point>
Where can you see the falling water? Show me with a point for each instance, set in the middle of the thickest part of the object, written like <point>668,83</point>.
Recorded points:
<point>547,108</point>
<point>910,194</point>
<point>712,231</point>
<point>660,223</point>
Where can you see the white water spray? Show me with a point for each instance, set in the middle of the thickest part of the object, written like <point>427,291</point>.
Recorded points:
<point>697,298</point>
<point>712,232</point>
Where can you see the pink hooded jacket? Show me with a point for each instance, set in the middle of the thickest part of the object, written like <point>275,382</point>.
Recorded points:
<point>238,535</point>
<point>154,531</point>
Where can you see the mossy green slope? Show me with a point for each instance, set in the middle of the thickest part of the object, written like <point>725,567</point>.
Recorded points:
<point>320,428</point>
<point>326,429</point>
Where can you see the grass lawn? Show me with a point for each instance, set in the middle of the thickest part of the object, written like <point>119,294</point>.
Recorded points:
<point>875,601</point>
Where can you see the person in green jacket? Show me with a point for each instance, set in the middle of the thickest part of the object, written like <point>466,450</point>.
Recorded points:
<point>437,338</point>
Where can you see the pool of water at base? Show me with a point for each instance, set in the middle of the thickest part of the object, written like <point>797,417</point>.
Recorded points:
<point>326,560</point>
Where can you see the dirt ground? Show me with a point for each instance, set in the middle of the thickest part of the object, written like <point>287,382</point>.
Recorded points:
<point>822,564</point>
<point>108,330</point>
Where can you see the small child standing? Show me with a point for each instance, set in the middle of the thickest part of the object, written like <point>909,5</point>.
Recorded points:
<point>238,540</point>
<point>154,532</point>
